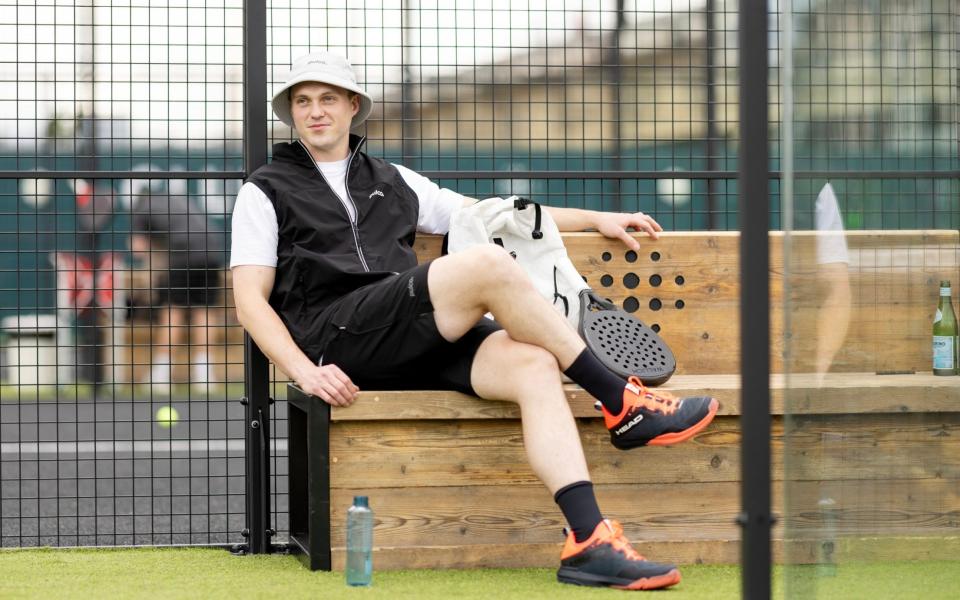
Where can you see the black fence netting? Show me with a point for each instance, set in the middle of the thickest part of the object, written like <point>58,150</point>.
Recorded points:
<point>121,363</point>
<point>121,152</point>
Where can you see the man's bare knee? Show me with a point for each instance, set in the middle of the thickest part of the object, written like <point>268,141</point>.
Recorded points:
<point>491,262</point>
<point>476,273</point>
<point>509,370</point>
<point>533,367</point>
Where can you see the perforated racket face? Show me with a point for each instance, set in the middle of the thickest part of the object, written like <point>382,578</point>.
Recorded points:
<point>627,346</point>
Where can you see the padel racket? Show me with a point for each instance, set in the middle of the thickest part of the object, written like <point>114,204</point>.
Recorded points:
<point>622,342</point>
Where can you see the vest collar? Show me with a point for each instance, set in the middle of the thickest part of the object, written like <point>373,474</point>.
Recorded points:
<point>297,153</point>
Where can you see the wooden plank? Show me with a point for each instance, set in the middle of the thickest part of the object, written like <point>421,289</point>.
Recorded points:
<point>872,507</point>
<point>834,393</point>
<point>491,453</point>
<point>704,334</point>
<point>861,549</point>
<point>935,545</point>
<point>523,514</point>
<point>879,447</point>
<point>863,393</point>
<point>533,555</point>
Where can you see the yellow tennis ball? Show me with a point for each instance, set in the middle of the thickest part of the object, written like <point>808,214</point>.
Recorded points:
<point>167,416</point>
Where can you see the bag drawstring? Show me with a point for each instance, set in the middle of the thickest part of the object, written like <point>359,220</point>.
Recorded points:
<point>521,204</point>
<point>557,294</point>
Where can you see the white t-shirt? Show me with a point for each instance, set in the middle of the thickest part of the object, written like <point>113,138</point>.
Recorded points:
<point>256,231</point>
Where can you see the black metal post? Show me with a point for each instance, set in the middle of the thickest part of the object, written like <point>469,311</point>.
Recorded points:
<point>309,478</point>
<point>713,218</point>
<point>754,212</point>
<point>256,369</point>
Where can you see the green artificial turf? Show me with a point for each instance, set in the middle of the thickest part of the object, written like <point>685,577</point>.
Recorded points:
<point>171,573</point>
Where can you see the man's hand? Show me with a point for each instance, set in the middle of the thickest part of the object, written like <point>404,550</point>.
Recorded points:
<point>614,225</point>
<point>251,293</point>
<point>329,383</point>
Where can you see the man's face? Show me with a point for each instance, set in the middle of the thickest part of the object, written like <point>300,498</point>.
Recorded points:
<point>322,115</point>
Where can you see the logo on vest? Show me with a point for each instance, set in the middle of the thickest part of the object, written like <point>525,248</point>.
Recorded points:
<point>375,193</point>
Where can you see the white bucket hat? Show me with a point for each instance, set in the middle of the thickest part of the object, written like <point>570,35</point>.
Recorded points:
<point>322,67</point>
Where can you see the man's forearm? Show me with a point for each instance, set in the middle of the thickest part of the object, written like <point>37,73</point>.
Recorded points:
<point>572,219</point>
<point>271,335</point>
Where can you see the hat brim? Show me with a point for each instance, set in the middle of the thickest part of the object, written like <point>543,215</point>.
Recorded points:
<point>281,97</point>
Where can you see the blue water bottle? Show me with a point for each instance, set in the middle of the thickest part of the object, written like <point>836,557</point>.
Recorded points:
<point>359,542</point>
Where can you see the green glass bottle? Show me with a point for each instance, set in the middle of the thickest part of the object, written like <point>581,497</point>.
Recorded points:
<point>945,334</point>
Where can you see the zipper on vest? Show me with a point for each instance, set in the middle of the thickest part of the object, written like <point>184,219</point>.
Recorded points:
<point>346,185</point>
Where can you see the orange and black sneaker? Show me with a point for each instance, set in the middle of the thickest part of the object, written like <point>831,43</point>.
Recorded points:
<point>655,418</point>
<point>607,559</point>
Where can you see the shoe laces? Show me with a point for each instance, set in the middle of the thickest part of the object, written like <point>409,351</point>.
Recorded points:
<point>620,542</point>
<point>661,402</point>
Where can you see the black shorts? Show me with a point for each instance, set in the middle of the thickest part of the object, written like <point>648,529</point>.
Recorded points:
<point>190,287</point>
<point>384,337</point>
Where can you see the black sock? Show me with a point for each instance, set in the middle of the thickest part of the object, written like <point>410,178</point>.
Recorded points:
<point>579,507</point>
<point>590,374</point>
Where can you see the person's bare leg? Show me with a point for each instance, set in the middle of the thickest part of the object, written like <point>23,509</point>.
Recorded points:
<point>201,369</point>
<point>161,333</point>
<point>199,324</point>
<point>178,330</point>
<point>467,285</point>
<point>168,334</point>
<point>504,369</point>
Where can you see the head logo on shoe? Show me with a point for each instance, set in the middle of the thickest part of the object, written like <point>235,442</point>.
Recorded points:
<point>627,427</point>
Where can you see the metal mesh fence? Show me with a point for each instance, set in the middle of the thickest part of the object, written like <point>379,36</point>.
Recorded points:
<point>626,105</point>
<point>120,146</point>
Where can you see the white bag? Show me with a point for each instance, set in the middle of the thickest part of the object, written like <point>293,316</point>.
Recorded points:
<point>531,236</point>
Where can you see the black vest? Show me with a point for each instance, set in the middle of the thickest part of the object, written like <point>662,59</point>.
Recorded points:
<point>322,254</point>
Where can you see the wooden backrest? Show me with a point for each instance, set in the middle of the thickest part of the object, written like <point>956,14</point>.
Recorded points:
<point>687,283</point>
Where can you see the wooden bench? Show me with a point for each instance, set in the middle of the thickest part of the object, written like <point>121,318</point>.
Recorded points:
<point>448,479</point>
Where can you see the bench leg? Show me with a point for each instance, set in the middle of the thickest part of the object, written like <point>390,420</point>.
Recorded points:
<point>309,478</point>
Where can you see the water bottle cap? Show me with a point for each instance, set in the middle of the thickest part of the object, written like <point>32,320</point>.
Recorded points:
<point>360,501</point>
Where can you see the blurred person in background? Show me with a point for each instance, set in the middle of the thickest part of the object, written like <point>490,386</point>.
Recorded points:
<point>183,251</point>
<point>833,266</point>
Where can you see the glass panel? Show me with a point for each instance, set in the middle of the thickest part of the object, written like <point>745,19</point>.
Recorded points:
<point>870,209</point>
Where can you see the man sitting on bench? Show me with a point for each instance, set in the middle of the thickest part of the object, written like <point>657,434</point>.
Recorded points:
<point>327,283</point>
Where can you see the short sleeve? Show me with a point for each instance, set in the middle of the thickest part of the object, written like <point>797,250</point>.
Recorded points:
<point>255,232</point>
<point>437,204</point>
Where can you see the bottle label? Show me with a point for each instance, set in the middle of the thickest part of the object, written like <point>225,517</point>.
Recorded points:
<point>938,316</point>
<point>945,291</point>
<point>943,351</point>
